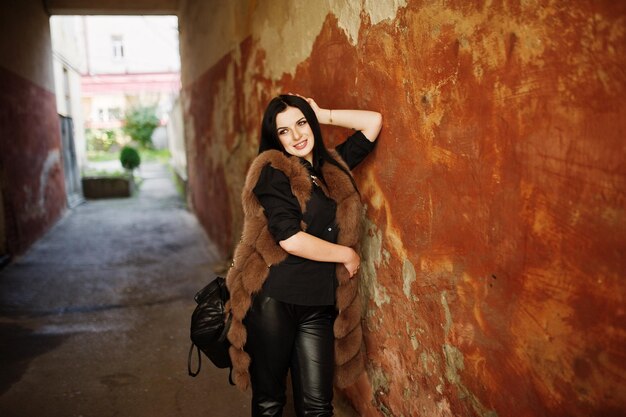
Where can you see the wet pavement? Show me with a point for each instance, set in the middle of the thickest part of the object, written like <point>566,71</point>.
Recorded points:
<point>94,318</point>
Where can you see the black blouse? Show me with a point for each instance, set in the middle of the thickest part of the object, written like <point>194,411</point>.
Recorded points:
<point>298,280</point>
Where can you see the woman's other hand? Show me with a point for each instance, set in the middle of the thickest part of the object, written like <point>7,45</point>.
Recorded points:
<point>311,247</point>
<point>353,263</point>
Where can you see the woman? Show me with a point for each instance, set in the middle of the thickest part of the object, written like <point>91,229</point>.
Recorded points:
<point>294,299</point>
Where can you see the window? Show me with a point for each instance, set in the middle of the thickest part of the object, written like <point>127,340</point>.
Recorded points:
<point>66,91</point>
<point>117,41</point>
<point>115,113</point>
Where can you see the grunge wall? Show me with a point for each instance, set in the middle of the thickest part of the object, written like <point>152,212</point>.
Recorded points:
<point>495,231</point>
<point>31,169</point>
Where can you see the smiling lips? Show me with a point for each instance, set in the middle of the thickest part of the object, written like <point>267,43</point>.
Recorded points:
<point>301,145</point>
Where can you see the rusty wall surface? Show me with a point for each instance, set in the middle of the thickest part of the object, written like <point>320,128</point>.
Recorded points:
<point>495,231</point>
<point>31,169</point>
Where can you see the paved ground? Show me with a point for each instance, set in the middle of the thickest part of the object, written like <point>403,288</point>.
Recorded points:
<point>94,318</point>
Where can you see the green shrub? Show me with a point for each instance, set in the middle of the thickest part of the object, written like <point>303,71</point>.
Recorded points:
<point>129,157</point>
<point>139,123</point>
<point>101,139</point>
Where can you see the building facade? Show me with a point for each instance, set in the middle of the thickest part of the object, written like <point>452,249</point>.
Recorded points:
<point>130,61</point>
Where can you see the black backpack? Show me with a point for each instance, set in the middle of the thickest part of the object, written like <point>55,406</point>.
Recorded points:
<point>209,326</point>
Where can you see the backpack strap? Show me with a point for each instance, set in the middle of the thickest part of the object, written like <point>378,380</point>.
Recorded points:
<point>230,376</point>
<point>193,374</point>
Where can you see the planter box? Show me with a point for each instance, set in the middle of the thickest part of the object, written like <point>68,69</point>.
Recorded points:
<point>107,187</point>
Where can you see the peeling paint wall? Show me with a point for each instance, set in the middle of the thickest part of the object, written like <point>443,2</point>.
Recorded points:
<point>31,173</point>
<point>493,252</point>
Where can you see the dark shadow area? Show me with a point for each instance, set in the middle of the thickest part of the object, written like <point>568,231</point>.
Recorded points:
<point>18,347</point>
<point>102,305</point>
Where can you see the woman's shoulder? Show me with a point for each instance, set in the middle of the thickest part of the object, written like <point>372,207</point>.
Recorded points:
<point>275,174</point>
<point>277,161</point>
<point>272,156</point>
<point>269,176</point>
<point>274,167</point>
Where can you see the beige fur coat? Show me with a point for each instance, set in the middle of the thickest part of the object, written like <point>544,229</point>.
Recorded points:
<point>257,251</point>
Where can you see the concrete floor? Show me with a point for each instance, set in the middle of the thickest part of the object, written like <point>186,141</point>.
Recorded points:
<point>94,319</point>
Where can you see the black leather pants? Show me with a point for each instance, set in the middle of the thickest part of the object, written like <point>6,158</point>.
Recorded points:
<point>284,336</point>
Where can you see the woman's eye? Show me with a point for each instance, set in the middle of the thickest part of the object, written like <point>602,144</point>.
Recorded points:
<point>282,132</point>
<point>302,122</point>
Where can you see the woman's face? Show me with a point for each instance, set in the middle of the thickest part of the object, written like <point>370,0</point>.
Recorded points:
<point>294,133</point>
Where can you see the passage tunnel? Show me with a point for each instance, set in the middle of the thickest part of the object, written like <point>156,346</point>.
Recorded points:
<point>495,232</point>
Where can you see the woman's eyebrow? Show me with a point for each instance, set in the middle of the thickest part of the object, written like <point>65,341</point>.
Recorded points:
<point>285,127</point>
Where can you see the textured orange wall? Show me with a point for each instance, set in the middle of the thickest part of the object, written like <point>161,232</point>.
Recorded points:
<point>495,231</point>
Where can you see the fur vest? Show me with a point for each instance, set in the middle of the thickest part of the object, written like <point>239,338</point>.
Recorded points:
<point>258,250</point>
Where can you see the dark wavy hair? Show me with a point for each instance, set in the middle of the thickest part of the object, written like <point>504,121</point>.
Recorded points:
<point>269,136</point>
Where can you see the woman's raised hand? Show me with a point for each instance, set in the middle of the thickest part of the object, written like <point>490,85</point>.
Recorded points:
<point>368,122</point>
<point>316,109</point>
